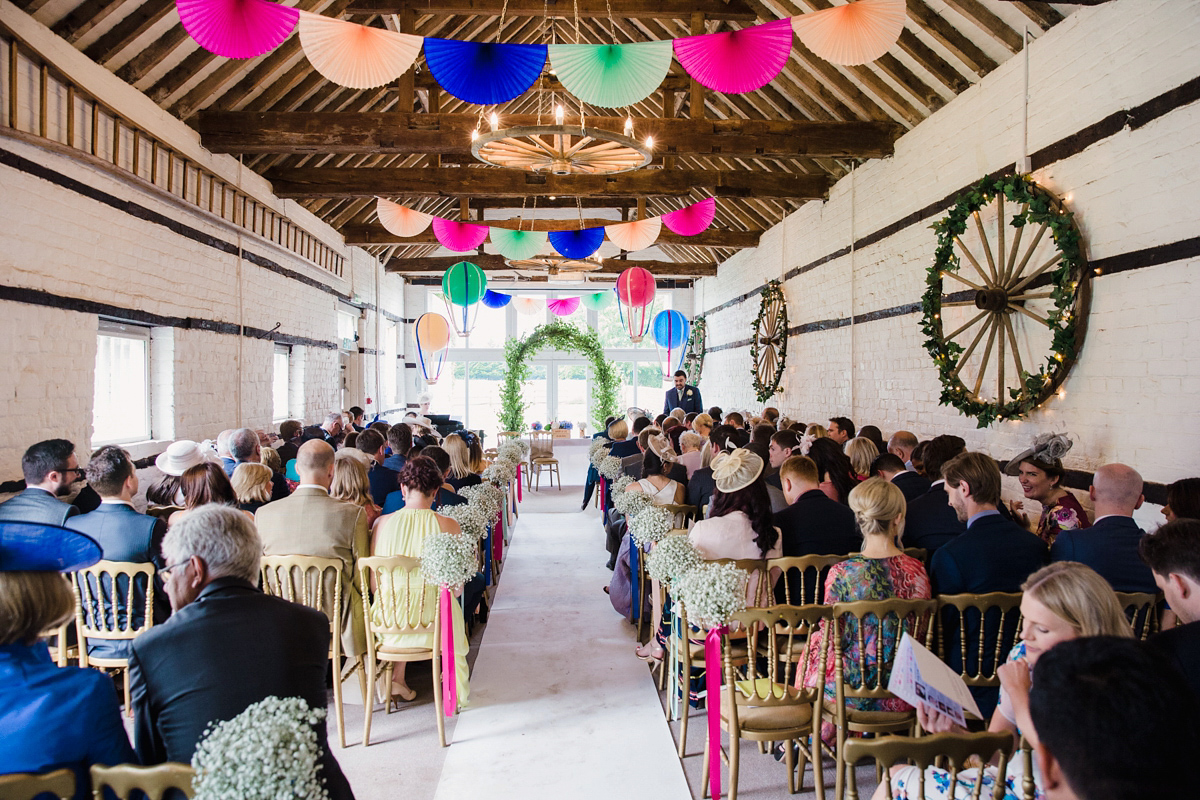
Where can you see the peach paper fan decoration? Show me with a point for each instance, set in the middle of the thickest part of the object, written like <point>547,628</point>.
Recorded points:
<point>636,235</point>
<point>401,220</point>
<point>356,56</point>
<point>855,33</point>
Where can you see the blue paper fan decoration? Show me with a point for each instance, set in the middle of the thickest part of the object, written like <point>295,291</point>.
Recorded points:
<point>496,299</point>
<point>577,244</point>
<point>484,73</point>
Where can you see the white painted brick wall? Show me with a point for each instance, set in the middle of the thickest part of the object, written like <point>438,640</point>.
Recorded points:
<point>1131,395</point>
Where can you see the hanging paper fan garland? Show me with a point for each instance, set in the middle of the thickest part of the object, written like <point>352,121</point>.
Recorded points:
<point>484,73</point>
<point>527,306</point>
<point>563,306</point>
<point>636,235</point>
<point>461,237</point>
<point>356,56</point>
<point>401,220</point>
<point>611,75</point>
<point>517,245</point>
<point>855,33</point>
<point>237,28</point>
<point>598,301</point>
<point>496,299</point>
<point>693,219</point>
<point>577,244</point>
<point>737,61</point>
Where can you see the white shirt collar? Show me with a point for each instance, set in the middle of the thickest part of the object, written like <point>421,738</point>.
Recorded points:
<point>114,501</point>
<point>312,486</point>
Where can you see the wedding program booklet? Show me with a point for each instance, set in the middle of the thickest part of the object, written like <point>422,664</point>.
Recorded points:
<point>920,678</point>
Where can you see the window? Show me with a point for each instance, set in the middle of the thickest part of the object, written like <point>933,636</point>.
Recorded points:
<point>348,330</point>
<point>279,382</point>
<point>389,366</point>
<point>121,406</point>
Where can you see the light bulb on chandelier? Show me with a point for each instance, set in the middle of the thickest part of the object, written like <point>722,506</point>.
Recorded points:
<point>494,120</point>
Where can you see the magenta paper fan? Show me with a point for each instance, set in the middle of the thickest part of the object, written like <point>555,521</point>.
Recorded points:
<point>460,237</point>
<point>737,61</point>
<point>563,306</point>
<point>237,28</point>
<point>693,219</point>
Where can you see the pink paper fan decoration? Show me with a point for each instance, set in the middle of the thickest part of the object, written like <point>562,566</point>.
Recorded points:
<point>855,33</point>
<point>356,56</point>
<point>691,220</point>
<point>636,235</point>
<point>237,28</point>
<point>563,306</point>
<point>737,61</point>
<point>460,237</point>
<point>401,220</point>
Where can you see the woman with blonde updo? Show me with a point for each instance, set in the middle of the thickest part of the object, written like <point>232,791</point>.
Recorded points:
<point>252,486</point>
<point>880,572</point>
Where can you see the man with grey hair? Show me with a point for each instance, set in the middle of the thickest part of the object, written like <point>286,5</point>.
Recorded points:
<point>332,428</point>
<point>226,647</point>
<point>1110,545</point>
<point>246,448</point>
<point>902,444</point>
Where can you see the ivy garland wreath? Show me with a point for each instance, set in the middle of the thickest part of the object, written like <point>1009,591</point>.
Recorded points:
<point>768,346</point>
<point>560,336</point>
<point>1028,302</point>
<point>697,346</point>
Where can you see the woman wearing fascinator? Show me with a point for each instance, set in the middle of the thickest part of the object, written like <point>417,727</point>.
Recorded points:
<point>1040,471</point>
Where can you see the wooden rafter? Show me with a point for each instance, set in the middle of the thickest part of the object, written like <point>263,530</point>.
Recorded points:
<point>490,262</point>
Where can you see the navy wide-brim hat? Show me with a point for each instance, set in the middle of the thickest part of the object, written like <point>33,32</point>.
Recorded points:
<point>34,547</point>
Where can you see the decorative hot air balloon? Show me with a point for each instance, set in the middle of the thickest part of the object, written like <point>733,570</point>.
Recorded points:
<point>671,329</point>
<point>635,291</point>
<point>433,340</point>
<point>463,286</point>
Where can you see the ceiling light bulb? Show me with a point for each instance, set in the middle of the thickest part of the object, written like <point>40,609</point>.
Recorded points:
<point>552,197</point>
<point>474,134</point>
<point>629,126</point>
<point>650,142</point>
<point>495,120</point>
<point>558,115</point>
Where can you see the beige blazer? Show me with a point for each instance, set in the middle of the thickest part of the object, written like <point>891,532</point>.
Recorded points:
<point>311,523</point>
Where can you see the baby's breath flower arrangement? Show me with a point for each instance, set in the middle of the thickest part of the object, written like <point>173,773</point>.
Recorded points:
<point>267,752</point>
<point>596,446</point>
<point>500,473</point>
<point>469,518</point>
<point>711,593</point>
<point>622,483</point>
<point>651,524</point>
<point>630,503</point>
<point>485,497</point>
<point>671,557</point>
<point>597,456</point>
<point>449,560</point>
<point>609,467</point>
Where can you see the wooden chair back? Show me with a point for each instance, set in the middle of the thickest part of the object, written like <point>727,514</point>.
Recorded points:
<point>800,580</point>
<point>125,779</point>
<point>758,588</point>
<point>1142,610</point>
<point>872,625</point>
<point>105,605</point>
<point>773,632</point>
<point>56,639</point>
<point>26,786</point>
<point>541,445</point>
<point>951,751</point>
<point>684,515</point>
<point>976,633</point>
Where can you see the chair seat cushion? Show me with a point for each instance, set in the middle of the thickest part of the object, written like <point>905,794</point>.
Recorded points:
<point>871,717</point>
<point>768,718</point>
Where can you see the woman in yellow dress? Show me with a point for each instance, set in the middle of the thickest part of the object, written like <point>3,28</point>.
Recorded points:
<point>402,533</point>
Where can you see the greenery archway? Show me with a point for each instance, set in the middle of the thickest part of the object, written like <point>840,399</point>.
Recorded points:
<point>560,336</point>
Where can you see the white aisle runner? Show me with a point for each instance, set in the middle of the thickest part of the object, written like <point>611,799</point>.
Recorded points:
<point>560,706</point>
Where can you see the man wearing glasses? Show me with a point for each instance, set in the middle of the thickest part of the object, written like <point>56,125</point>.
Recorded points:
<point>50,468</point>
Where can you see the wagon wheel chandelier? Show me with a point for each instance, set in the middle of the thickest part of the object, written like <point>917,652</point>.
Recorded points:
<point>555,265</point>
<point>561,149</point>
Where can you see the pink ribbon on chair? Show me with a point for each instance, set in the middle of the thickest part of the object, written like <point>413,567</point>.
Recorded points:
<point>712,680</point>
<point>603,495</point>
<point>449,678</point>
<point>520,498</point>
<point>498,541</point>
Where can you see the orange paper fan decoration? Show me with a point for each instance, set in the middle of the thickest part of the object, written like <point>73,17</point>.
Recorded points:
<point>401,220</point>
<point>855,33</point>
<point>635,235</point>
<point>356,56</point>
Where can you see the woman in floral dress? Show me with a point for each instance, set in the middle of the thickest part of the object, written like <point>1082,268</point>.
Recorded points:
<point>1041,473</point>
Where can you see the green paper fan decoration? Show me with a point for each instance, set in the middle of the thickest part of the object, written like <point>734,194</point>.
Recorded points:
<point>611,75</point>
<point>517,245</point>
<point>598,301</point>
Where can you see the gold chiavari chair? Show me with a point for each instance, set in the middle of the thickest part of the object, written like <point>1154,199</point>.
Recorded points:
<point>105,595</point>
<point>976,633</point>
<point>1142,610</point>
<point>800,580</point>
<point>541,457</point>
<point>154,782</point>
<point>953,750</point>
<point>25,786</point>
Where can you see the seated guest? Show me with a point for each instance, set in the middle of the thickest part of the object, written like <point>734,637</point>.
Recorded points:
<point>165,495</point>
<point>673,435</point>
<point>446,496</point>
<point>676,472</point>
<point>478,462</point>
<point>891,468</point>
<point>51,716</point>
<point>382,427</point>
<point>289,435</point>
<point>874,436</point>
<point>227,646</point>
<point>312,523</point>
<point>841,430</point>
<point>203,484</point>
<point>400,441</point>
<point>833,466</point>
<point>1041,472</point>
<point>691,443</point>
<point>700,484</point>
<point>784,445</point>
<point>270,459</point>
<point>735,419</point>
<point>931,522</point>
<point>1111,722</point>
<point>879,572</point>
<point>356,418</point>
<point>403,534</point>
<point>350,441</point>
<point>252,486</point>
<point>770,416</point>
<point>459,450</point>
<point>1110,546</point>
<point>222,445</point>
<point>1173,555</point>
<point>716,413</point>
<point>861,452</point>
<point>689,419</point>
<point>50,467</point>
<point>917,461</point>
<point>246,449</point>
<point>740,524</point>
<point>1061,602</point>
<point>1183,500</point>
<point>352,485</point>
<point>816,431</point>
<point>622,446</point>
<point>902,444</point>
<point>760,441</point>
<point>703,425</point>
<point>812,524</point>
<point>383,479</point>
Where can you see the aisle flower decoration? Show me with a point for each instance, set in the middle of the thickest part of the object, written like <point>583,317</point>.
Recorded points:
<point>268,751</point>
<point>671,558</point>
<point>469,517</point>
<point>485,497</point>
<point>651,524</point>
<point>449,561</point>
<point>631,503</point>
<point>500,473</point>
<point>610,467</point>
<point>622,484</point>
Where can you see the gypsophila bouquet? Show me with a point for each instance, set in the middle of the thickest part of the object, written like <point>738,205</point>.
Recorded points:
<point>500,473</point>
<point>651,524</point>
<point>630,503</point>
<point>712,593</point>
<point>598,455</point>
<point>671,557</point>
<point>609,467</point>
<point>448,559</point>
<point>268,752</point>
<point>509,452</point>
<point>622,483</point>
<point>469,518</point>
<point>485,497</point>
<point>597,445</point>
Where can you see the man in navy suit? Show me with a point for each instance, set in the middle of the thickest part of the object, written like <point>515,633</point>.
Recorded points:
<point>1110,545</point>
<point>812,524</point>
<point>1173,553</point>
<point>123,535</point>
<point>889,467</point>
<point>382,478</point>
<point>50,468</point>
<point>683,396</point>
<point>929,521</point>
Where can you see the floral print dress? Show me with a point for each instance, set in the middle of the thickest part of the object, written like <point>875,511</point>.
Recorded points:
<point>1064,514</point>
<point>859,578</point>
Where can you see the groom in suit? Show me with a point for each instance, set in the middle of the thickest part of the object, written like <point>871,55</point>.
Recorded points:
<point>683,396</point>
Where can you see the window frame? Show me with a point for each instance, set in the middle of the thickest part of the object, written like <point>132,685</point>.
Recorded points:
<point>120,329</point>
<point>284,350</point>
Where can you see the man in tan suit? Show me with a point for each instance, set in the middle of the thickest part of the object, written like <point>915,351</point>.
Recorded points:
<point>311,523</point>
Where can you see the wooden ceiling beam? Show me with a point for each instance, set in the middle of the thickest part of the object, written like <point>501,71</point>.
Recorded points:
<point>624,9</point>
<point>75,25</point>
<point>495,263</point>
<point>1045,15</point>
<point>997,28</point>
<point>124,33</point>
<point>951,38</point>
<point>483,182</point>
<point>369,235</point>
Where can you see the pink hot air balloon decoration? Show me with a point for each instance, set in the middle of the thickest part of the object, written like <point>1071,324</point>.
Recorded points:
<point>635,294</point>
<point>691,220</point>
